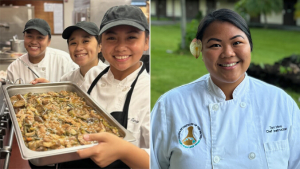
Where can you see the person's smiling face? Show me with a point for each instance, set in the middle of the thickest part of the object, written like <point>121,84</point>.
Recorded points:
<point>83,48</point>
<point>226,52</point>
<point>123,47</point>
<point>35,44</point>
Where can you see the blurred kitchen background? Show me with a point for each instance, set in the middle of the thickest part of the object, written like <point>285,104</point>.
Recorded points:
<point>59,14</point>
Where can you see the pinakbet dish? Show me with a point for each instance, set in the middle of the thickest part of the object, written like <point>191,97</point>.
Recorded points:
<point>63,91</point>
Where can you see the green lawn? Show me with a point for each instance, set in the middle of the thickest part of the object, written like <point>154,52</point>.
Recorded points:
<point>169,70</point>
<point>272,45</point>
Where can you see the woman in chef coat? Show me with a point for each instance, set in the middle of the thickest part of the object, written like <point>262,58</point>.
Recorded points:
<point>45,62</point>
<point>84,48</point>
<point>225,119</point>
<point>123,89</point>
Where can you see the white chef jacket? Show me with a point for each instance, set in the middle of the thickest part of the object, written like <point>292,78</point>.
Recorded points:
<point>111,94</point>
<point>193,126</point>
<point>52,67</point>
<point>76,77</point>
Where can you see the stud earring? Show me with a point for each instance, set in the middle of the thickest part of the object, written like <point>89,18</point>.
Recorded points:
<point>195,48</point>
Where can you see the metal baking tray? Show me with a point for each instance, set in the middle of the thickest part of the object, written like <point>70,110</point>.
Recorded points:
<point>61,155</point>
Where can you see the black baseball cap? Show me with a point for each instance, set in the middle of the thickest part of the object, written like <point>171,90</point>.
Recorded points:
<point>124,15</point>
<point>90,27</point>
<point>38,24</point>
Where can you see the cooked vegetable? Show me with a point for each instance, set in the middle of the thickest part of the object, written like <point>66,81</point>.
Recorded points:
<point>19,103</point>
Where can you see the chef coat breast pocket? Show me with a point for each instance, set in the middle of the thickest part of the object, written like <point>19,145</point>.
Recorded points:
<point>134,126</point>
<point>277,154</point>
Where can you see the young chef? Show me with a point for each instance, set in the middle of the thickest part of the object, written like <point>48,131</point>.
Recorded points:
<point>123,89</point>
<point>46,62</point>
<point>84,48</point>
<point>225,119</point>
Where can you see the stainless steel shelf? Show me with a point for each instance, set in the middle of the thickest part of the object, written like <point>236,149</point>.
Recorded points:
<point>7,59</point>
<point>7,139</point>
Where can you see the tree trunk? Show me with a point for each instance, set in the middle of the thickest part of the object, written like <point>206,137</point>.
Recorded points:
<point>183,24</point>
<point>173,9</point>
<point>157,4</point>
<point>265,18</point>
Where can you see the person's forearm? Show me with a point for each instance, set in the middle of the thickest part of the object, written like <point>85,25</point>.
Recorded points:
<point>136,158</point>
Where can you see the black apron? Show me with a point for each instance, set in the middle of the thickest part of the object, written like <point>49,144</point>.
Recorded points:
<point>120,116</point>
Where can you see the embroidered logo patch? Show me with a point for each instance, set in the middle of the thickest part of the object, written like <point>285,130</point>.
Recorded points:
<point>189,135</point>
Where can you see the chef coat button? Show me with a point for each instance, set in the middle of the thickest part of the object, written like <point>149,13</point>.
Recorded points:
<point>43,69</point>
<point>124,90</point>
<point>103,84</point>
<point>216,159</point>
<point>251,156</point>
<point>215,107</point>
<point>243,104</point>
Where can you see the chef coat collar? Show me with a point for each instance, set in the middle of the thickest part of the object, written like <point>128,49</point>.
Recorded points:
<point>26,60</point>
<point>100,62</point>
<point>81,78</point>
<point>238,91</point>
<point>36,64</point>
<point>126,81</point>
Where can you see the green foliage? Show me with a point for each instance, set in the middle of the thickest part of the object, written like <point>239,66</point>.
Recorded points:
<point>297,10</point>
<point>297,59</point>
<point>191,31</point>
<point>240,7</point>
<point>256,7</point>
<point>262,65</point>
<point>285,70</point>
<point>199,16</point>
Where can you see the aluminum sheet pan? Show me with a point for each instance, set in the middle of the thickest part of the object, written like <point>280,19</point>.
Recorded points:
<point>61,155</point>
